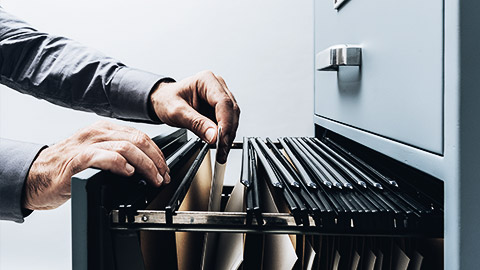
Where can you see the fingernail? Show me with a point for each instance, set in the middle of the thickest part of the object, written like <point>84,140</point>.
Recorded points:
<point>210,134</point>
<point>129,168</point>
<point>167,178</point>
<point>159,179</point>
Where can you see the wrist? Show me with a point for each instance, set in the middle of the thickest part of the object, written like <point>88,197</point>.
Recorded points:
<point>152,101</point>
<point>32,184</point>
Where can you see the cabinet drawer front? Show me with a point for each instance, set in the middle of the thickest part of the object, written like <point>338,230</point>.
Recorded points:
<point>397,92</point>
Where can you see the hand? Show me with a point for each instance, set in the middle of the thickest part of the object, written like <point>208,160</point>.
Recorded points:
<point>105,146</point>
<point>198,103</point>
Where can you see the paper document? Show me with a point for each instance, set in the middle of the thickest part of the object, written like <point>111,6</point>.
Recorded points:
<point>309,256</point>
<point>416,262</point>
<point>210,243</point>
<point>400,260</point>
<point>370,260</point>
<point>230,245</point>
<point>279,252</point>
<point>190,243</point>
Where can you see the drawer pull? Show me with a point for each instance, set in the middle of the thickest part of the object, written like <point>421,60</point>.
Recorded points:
<point>339,55</point>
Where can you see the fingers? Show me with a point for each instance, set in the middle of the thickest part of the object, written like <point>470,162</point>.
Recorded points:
<point>101,159</point>
<point>103,145</point>
<point>236,109</point>
<point>202,126</point>
<point>143,163</point>
<point>182,104</point>
<point>224,84</point>
<point>142,141</point>
<point>134,146</point>
<point>215,91</point>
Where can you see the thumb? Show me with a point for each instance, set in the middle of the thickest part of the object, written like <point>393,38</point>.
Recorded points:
<point>202,126</point>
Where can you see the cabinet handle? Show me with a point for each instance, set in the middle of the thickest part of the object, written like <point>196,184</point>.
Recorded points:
<point>339,55</point>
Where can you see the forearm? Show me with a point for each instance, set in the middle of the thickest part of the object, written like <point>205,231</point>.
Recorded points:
<point>16,159</point>
<point>69,74</point>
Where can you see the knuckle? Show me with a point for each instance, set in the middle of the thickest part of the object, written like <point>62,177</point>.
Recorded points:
<point>197,123</point>
<point>95,132</point>
<point>163,166</point>
<point>118,159</point>
<point>163,172</point>
<point>151,167</point>
<point>228,102</point>
<point>141,139</point>
<point>163,157</point>
<point>206,73</point>
<point>87,133</point>
<point>236,109</point>
<point>84,157</point>
<point>130,129</point>
<point>162,169</point>
<point>123,147</point>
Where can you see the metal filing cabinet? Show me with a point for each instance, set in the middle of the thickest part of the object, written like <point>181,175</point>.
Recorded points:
<point>398,90</point>
<point>403,79</point>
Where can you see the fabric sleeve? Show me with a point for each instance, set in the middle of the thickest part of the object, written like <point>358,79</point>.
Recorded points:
<point>16,159</point>
<point>69,74</point>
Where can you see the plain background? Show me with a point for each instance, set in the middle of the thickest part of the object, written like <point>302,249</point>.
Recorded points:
<point>263,49</point>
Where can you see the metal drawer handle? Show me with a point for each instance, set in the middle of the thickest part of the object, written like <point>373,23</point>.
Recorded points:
<point>338,55</point>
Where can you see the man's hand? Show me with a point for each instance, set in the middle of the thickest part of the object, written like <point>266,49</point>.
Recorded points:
<point>105,146</point>
<point>198,103</point>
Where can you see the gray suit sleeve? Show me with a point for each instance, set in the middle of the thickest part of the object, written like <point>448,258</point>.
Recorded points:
<point>15,161</point>
<point>65,73</point>
<point>69,74</point>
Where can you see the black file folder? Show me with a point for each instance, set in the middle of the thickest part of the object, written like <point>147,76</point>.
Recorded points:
<point>328,191</point>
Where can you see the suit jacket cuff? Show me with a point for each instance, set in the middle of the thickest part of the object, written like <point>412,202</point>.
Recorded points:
<point>130,91</point>
<point>16,158</point>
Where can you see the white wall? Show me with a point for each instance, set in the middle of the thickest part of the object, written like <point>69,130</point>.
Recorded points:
<point>263,49</point>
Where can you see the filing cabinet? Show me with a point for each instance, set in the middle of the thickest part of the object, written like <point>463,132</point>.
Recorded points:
<point>397,91</point>
<point>402,78</point>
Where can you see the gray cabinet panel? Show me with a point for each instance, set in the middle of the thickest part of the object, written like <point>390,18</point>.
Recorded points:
<point>398,91</point>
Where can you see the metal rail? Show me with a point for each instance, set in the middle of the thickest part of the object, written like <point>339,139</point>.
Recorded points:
<point>234,222</point>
